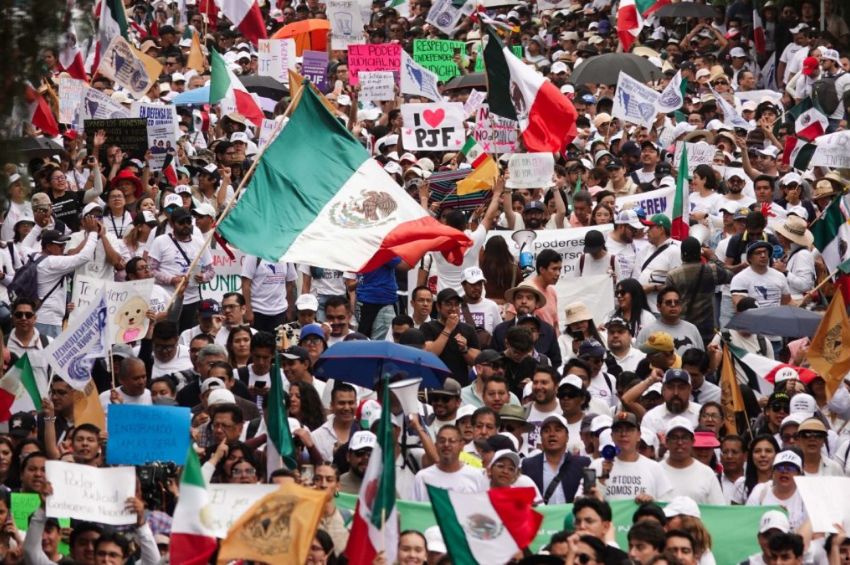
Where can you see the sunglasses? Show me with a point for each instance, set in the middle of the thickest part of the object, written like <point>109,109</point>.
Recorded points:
<point>183,222</point>
<point>24,315</point>
<point>571,394</point>
<point>620,293</point>
<point>811,435</point>
<point>786,468</point>
<point>780,406</point>
<point>584,558</point>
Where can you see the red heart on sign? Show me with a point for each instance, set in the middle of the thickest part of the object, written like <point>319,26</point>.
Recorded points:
<point>434,118</point>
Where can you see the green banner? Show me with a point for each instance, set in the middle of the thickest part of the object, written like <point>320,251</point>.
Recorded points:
<point>479,61</point>
<point>437,55</point>
<point>733,528</point>
<point>23,505</point>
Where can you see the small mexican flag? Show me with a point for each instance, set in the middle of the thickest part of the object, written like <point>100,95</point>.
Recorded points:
<point>811,124</point>
<point>192,542</point>
<point>828,230</point>
<point>279,444</point>
<point>485,169</point>
<point>797,153</point>
<point>630,19</point>
<point>18,390</point>
<point>679,224</point>
<point>485,527</point>
<point>227,89</point>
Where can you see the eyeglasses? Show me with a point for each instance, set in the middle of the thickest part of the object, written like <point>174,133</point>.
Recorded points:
<point>712,416</point>
<point>811,435</point>
<point>679,438</point>
<point>24,315</point>
<point>787,438</point>
<point>244,472</point>
<point>780,406</point>
<point>620,293</point>
<point>671,302</point>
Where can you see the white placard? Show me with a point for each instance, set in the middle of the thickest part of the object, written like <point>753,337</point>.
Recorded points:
<point>90,493</point>
<point>446,17</point>
<point>377,85</point>
<point>699,153</point>
<point>71,93</point>
<point>826,501</point>
<point>653,202</point>
<point>346,23</point>
<point>832,150</point>
<point>474,101</point>
<point>731,117</point>
<point>531,170</point>
<point>228,502</point>
<point>275,57</point>
<point>72,354</point>
<point>416,80</point>
<point>268,129</point>
<point>162,130</point>
<point>99,106</point>
<point>126,305</point>
<point>433,127</point>
<point>495,134</point>
<point>120,64</point>
<point>634,102</point>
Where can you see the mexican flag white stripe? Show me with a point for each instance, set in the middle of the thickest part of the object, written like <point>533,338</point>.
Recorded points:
<point>192,542</point>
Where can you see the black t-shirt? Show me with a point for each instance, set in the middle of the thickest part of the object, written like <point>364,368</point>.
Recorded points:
<point>451,354</point>
<point>67,208</point>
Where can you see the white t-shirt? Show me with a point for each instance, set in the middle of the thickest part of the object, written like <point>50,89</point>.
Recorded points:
<point>708,204</point>
<point>465,480</point>
<point>159,299</point>
<point>786,57</point>
<point>630,360</point>
<point>656,270</point>
<point>173,263</point>
<point>117,226</point>
<point>143,399</point>
<point>15,213</point>
<point>98,267</point>
<point>180,362</point>
<point>485,314</point>
<point>326,282</point>
<point>220,337</point>
<point>767,289</point>
<point>625,254</point>
<point>655,421</point>
<point>762,495</point>
<point>448,275</point>
<point>629,479</point>
<point>696,481</point>
<point>268,284</point>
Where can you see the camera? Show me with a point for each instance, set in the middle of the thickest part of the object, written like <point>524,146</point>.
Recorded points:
<point>153,477</point>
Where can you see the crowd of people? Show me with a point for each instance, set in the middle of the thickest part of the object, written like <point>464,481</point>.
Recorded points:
<point>586,408</point>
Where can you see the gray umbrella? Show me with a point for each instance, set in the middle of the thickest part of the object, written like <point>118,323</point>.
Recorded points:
<point>31,148</point>
<point>685,10</point>
<point>605,69</point>
<point>472,80</point>
<point>784,321</point>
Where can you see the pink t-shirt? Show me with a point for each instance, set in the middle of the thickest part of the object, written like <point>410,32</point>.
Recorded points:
<point>548,313</point>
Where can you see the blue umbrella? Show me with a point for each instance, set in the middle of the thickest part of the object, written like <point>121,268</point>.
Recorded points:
<point>197,96</point>
<point>364,362</point>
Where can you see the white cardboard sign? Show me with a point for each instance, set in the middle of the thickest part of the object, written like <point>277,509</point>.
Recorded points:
<point>433,127</point>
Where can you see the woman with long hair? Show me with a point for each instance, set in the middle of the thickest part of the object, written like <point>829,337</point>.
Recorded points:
<point>781,489</point>
<point>500,269</point>
<point>632,306</point>
<point>760,456</point>
<point>7,449</point>
<point>698,531</point>
<point>116,219</point>
<point>305,405</point>
<point>602,214</point>
<point>579,327</point>
<point>239,346</point>
<point>704,199</point>
<point>138,238</point>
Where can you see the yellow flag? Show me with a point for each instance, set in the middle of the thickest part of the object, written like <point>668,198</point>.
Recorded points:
<point>482,178</point>
<point>87,408</point>
<point>730,391</point>
<point>278,528</point>
<point>295,82</point>
<point>829,353</point>
<point>196,55</point>
<point>152,66</point>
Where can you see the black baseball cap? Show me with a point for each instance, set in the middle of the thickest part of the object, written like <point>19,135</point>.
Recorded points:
<point>53,236</point>
<point>593,241</point>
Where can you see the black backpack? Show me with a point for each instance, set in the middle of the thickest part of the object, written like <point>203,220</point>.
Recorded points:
<point>25,282</point>
<point>825,95</point>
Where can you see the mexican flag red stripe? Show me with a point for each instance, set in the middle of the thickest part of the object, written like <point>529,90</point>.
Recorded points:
<point>229,91</point>
<point>192,542</point>
<point>246,15</point>
<point>630,18</point>
<point>19,390</point>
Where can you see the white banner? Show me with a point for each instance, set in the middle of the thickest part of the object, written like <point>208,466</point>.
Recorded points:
<point>71,93</point>
<point>416,80</point>
<point>275,57</point>
<point>72,354</point>
<point>595,291</point>
<point>90,493</point>
<point>493,133</point>
<point>99,106</point>
<point>699,153</point>
<point>826,501</point>
<point>671,98</point>
<point>634,102</point>
<point>531,170</point>
<point>228,502</point>
<point>731,117</point>
<point>474,101</point>
<point>377,85</point>
<point>833,150</point>
<point>346,23</point>
<point>162,130</point>
<point>653,202</point>
<point>433,127</point>
<point>120,64</point>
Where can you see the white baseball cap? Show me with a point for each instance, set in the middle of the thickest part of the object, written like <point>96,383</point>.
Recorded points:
<point>220,396</point>
<point>307,302</point>
<point>601,422</point>
<point>183,189</point>
<point>628,218</point>
<point>679,422</point>
<point>473,275</point>
<point>573,381</point>
<point>172,200</point>
<point>682,506</point>
<point>830,54</point>
<point>502,454</point>
<point>362,440</point>
<point>559,67</point>
<point>204,209</point>
<point>774,520</point>
<point>464,411</point>
<point>795,418</point>
<point>239,137</point>
<point>803,404</point>
<point>788,457</point>
<point>738,53</point>
<point>786,374</point>
<point>434,540</point>
<point>655,387</point>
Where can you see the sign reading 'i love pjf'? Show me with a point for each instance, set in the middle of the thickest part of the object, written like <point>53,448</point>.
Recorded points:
<point>432,127</point>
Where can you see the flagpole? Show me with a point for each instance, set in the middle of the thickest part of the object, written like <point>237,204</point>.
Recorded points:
<point>292,104</point>
<point>828,278</point>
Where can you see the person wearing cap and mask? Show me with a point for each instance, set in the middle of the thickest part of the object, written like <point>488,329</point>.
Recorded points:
<point>782,490</point>
<point>269,291</point>
<point>688,476</point>
<point>831,69</point>
<point>771,523</point>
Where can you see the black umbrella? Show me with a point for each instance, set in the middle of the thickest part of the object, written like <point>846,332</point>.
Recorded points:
<point>785,321</point>
<point>472,80</point>
<point>685,10</point>
<point>32,147</point>
<point>605,69</point>
<point>265,87</point>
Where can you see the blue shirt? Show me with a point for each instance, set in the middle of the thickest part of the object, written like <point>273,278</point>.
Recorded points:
<point>378,286</point>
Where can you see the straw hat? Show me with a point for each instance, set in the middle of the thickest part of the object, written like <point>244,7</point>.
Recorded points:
<point>529,287</point>
<point>823,188</point>
<point>577,312</point>
<point>794,228</point>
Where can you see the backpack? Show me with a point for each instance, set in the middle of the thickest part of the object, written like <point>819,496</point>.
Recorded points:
<point>25,282</point>
<point>825,95</point>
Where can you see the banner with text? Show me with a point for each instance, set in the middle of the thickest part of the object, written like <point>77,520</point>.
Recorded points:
<point>346,23</point>
<point>275,58</point>
<point>90,494</point>
<point>162,130</point>
<point>373,57</point>
<point>493,133</point>
<point>531,170</point>
<point>433,127</point>
<point>634,102</point>
<point>438,56</point>
<point>142,434</point>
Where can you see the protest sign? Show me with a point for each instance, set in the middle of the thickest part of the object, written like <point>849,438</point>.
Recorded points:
<point>121,64</point>
<point>84,292</point>
<point>373,57</point>
<point>759,95</point>
<point>346,23</point>
<point>72,354</point>
<point>98,106</point>
<point>432,127</point>
<point>142,434</point>
<point>437,55</point>
<point>227,273</point>
<point>731,117</point>
<point>131,134</point>
<point>699,153</point>
<point>126,305</point>
<point>162,130</point>
<point>653,202</point>
<point>531,170</point>
<point>552,4</point>
<point>479,60</point>
<point>416,80</point>
<point>595,291</point>
<point>71,93</point>
<point>377,85</point>
<point>832,150</point>
<point>90,493</point>
<point>634,102</point>
<point>474,101</point>
<point>23,505</point>
<point>445,16</point>
<point>267,129</point>
<point>314,67</point>
<point>826,501</point>
<point>493,133</point>
<point>226,503</point>
<point>275,57</point>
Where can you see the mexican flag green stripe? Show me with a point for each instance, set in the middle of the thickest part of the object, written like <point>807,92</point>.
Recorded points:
<point>453,535</point>
<point>19,390</point>
<point>826,233</point>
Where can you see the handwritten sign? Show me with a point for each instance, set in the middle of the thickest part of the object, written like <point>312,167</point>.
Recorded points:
<point>346,23</point>
<point>634,102</point>
<point>314,67</point>
<point>71,93</point>
<point>416,80</point>
<point>140,434</point>
<point>699,153</point>
<point>376,85</point>
<point>832,150</point>
<point>474,101</point>
<point>275,57</point>
<point>91,494</point>
<point>373,57</point>
<point>437,55</point>
<point>126,305</point>
<point>493,133</point>
<point>227,273</point>
<point>432,127</point>
<point>228,502</point>
<point>267,129</point>
<point>121,64</point>
<point>131,134</point>
<point>531,170</point>
<point>23,505</point>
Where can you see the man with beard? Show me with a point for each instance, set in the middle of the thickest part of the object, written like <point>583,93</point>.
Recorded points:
<point>449,472</point>
<point>85,445</point>
<point>620,344</point>
<point>478,311</point>
<point>544,389</point>
<point>526,298</point>
<point>676,392</point>
<point>688,476</point>
<point>620,242</point>
<point>359,449</point>
<point>445,401</point>
<point>170,256</point>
